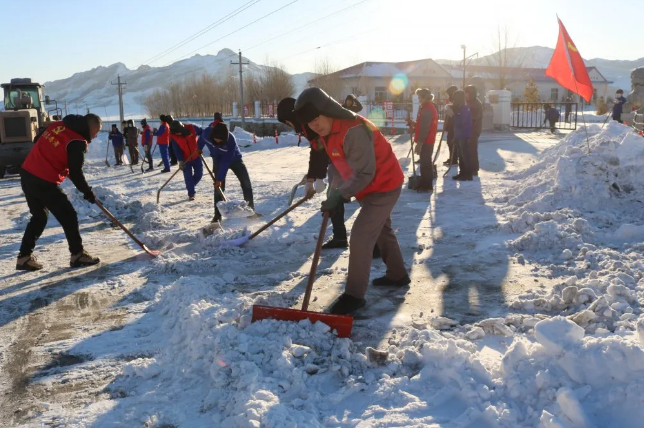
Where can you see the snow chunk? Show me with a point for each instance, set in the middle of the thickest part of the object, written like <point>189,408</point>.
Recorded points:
<point>557,333</point>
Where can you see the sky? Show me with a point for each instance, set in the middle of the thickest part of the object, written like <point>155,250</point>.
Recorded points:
<point>70,36</point>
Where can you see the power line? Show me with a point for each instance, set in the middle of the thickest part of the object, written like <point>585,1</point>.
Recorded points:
<point>233,32</point>
<point>201,32</point>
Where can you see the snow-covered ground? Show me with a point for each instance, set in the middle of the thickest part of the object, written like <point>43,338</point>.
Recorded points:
<point>525,308</point>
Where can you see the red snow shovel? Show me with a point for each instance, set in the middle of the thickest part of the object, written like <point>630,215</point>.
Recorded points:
<point>153,253</point>
<point>341,323</point>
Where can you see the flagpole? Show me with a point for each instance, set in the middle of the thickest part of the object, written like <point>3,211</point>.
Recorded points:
<point>575,82</point>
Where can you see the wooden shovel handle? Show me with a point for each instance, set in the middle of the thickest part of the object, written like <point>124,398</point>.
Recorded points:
<point>213,177</point>
<point>282,214</point>
<point>118,223</point>
<point>314,262</point>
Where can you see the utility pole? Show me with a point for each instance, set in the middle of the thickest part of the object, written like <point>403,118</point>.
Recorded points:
<point>464,68</point>
<point>119,85</point>
<point>240,63</point>
<point>65,108</point>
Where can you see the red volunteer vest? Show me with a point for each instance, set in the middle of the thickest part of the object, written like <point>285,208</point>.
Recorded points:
<point>143,135</point>
<point>191,128</point>
<point>164,138</point>
<point>388,175</point>
<point>188,145</point>
<point>48,158</point>
<point>432,135</point>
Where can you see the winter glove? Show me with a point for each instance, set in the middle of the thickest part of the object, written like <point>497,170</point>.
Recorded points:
<point>154,129</point>
<point>334,199</point>
<point>218,184</point>
<point>90,196</point>
<point>182,165</point>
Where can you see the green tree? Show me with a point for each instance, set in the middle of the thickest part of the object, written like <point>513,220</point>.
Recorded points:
<point>531,92</point>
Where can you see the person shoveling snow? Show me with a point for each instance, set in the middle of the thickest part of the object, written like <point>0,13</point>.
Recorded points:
<point>226,155</point>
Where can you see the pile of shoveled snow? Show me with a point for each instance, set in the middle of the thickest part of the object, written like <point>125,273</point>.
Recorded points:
<point>572,195</point>
<point>212,366</point>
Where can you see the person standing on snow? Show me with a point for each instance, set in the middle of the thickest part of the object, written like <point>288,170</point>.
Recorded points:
<point>184,143</point>
<point>425,134</point>
<point>617,110</point>
<point>203,138</point>
<point>226,155</point>
<point>116,137</point>
<point>131,134</point>
<point>352,103</point>
<point>476,114</point>
<point>163,139</point>
<point>552,115</point>
<point>146,142</point>
<point>462,128</point>
<point>449,128</point>
<point>363,166</point>
<point>318,164</point>
<point>57,153</point>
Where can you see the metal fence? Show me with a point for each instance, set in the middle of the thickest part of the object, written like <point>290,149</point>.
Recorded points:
<point>532,115</point>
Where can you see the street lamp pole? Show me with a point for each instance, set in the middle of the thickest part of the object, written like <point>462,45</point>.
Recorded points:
<point>464,67</point>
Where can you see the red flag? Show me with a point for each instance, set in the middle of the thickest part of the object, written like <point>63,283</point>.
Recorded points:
<point>568,68</point>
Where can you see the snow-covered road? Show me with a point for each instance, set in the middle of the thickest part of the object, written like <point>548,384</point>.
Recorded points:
<point>167,342</point>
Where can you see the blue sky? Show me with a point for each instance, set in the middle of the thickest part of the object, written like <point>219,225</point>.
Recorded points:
<point>68,36</point>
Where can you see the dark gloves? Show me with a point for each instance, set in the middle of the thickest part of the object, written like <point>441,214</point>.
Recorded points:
<point>334,199</point>
<point>90,196</point>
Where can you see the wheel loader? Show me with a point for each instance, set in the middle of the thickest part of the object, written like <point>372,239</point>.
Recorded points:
<point>23,118</point>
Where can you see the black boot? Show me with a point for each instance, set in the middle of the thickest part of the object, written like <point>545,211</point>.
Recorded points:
<point>384,281</point>
<point>335,243</point>
<point>463,177</point>
<point>83,259</point>
<point>346,304</point>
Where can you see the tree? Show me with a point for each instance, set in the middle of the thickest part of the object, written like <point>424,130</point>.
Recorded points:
<point>531,92</point>
<point>504,57</point>
<point>327,80</point>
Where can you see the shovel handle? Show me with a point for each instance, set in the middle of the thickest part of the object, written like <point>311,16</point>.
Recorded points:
<point>118,223</point>
<point>167,181</point>
<point>314,262</point>
<point>213,177</point>
<point>282,214</point>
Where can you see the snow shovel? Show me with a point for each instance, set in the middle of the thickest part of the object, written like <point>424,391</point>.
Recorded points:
<point>241,241</point>
<point>413,181</point>
<point>232,209</point>
<point>167,181</point>
<point>153,253</point>
<point>294,189</point>
<point>341,323</point>
<point>107,150</point>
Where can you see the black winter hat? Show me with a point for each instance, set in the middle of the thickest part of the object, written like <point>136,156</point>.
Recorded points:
<point>313,102</point>
<point>144,122</point>
<point>450,91</point>
<point>169,118</point>
<point>162,117</point>
<point>286,113</point>
<point>459,97</point>
<point>217,116</point>
<point>472,90</point>
<point>176,127</point>
<point>220,132</point>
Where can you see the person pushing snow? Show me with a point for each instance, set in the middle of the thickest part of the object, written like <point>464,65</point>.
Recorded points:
<point>226,155</point>
<point>363,166</point>
<point>184,144</point>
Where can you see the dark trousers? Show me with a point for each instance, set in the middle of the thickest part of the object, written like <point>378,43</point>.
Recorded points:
<point>173,157</point>
<point>149,156</point>
<point>242,174</point>
<point>464,152</point>
<point>552,125</point>
<point>337,218</point>
<point>134,153</point>
<point>426,166</point>
<point>474,145</point>
<point>43,197</point>
<point>118,154</point>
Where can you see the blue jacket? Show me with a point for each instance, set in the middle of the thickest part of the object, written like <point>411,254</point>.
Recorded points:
<point>224,155</point>
<point>618,106</point>
<point>204,140</point>
<point>462,122</point>
<point>116,138</point>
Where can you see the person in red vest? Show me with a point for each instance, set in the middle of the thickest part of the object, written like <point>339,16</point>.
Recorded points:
<point>146,142</point>
<point>163,139</point>
<point>58,152</point>
<point>363,166</point>
<point>425,133</point>
<point>184,143</point>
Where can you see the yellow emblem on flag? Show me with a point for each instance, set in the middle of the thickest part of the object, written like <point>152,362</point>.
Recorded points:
<point>571,46</point>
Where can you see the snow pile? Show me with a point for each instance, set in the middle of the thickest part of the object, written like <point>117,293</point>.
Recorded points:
<point>605,187</point>
<point>285,139</point>
<point>219,369</point>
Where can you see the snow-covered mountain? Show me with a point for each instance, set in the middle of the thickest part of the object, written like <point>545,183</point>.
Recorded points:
<point>95,89</point>
<point>617,71</point>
